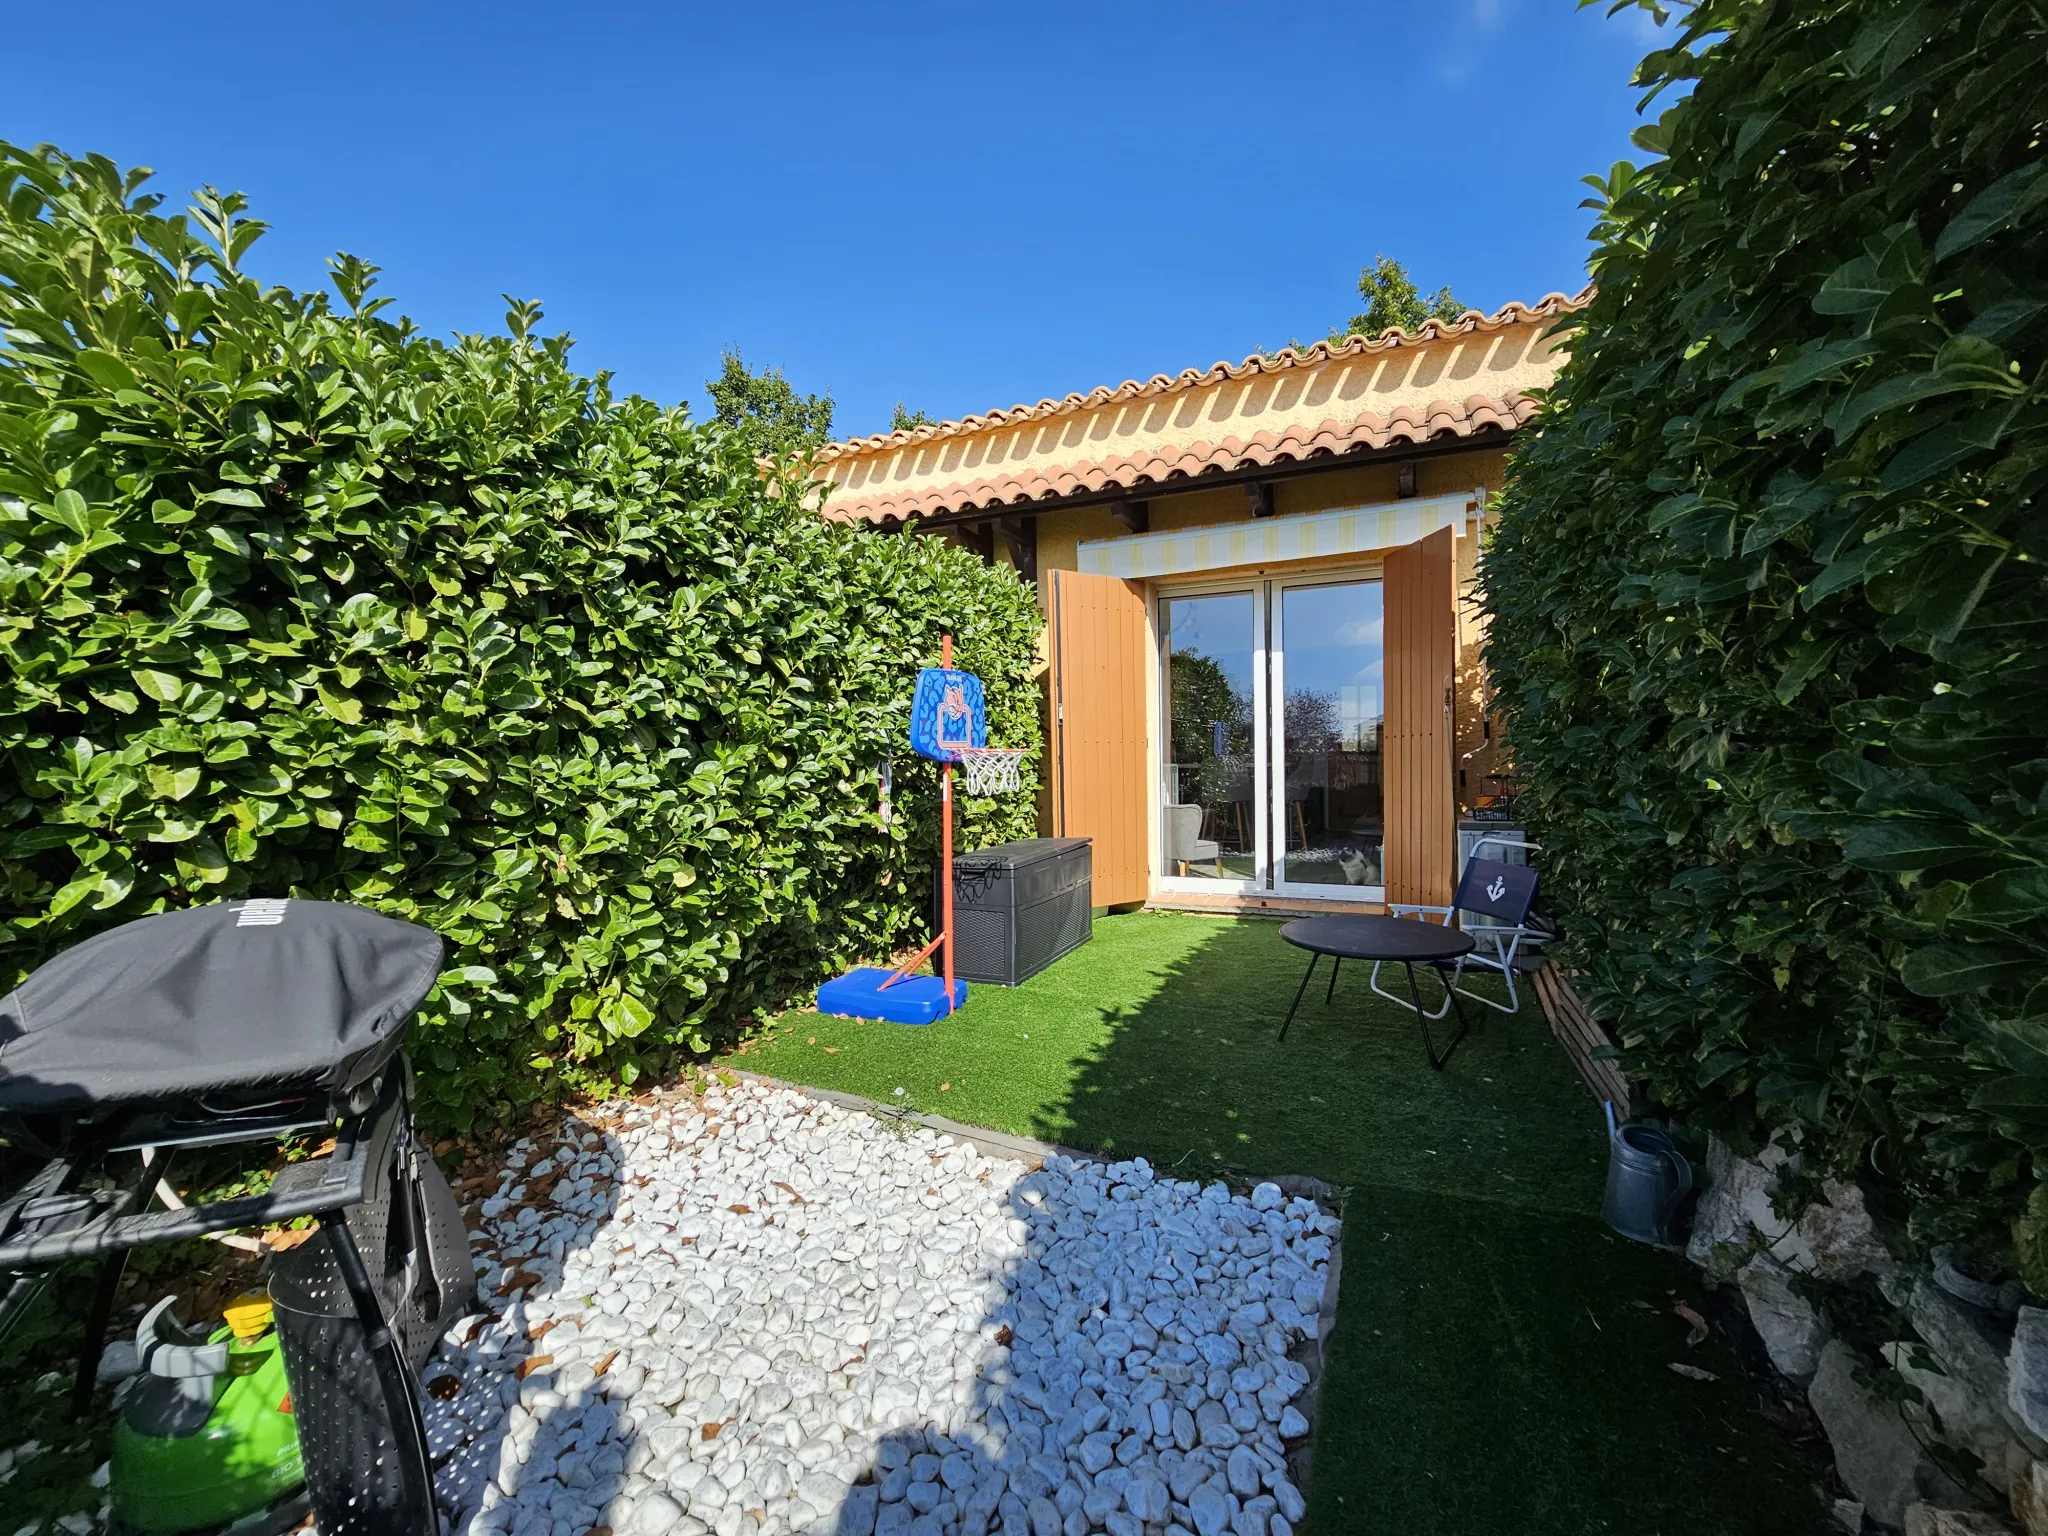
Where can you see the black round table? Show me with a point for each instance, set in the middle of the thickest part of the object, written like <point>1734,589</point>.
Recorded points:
<point>1383,940</point>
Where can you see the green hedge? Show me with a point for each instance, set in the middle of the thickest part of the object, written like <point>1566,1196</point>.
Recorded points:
<point>1768,617</point>
<point>294,599</point>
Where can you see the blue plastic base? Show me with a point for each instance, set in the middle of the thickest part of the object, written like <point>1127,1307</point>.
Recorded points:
<point>913,1000</point>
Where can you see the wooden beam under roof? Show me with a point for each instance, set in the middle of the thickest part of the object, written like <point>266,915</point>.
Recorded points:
<point>1020,538</point>
<point>1134,515</point>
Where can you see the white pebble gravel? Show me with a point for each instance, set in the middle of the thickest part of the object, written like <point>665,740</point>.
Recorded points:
<point>756,1313</point>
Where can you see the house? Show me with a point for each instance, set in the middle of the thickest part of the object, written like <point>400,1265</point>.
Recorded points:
<point>1263,687</point>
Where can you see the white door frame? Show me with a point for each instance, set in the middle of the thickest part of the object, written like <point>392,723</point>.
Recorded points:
<point>1269,745</point>
<point>1189,884</point>
<point>1275,735</point>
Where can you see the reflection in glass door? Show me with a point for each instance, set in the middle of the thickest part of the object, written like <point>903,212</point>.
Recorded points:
<point>1209,675</point>
<point>1328,661</point>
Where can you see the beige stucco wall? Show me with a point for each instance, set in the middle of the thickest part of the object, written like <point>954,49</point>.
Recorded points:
<point>1061,533</point>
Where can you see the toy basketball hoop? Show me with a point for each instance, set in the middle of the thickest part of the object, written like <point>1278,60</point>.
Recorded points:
<point>991,770</point>
<point>949,725</point>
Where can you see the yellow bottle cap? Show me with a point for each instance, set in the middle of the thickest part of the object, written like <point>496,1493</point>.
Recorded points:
<point>248,1316</point>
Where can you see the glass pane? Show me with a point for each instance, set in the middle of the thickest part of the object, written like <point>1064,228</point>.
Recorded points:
<point>1334,666</point>
<point>1208,820</point>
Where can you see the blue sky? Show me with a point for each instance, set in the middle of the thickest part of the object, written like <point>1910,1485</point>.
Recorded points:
<point>961,206</point>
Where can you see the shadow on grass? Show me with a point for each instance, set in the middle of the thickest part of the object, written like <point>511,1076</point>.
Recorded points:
<point>1501,1362</point>
<point>1187,1068</point>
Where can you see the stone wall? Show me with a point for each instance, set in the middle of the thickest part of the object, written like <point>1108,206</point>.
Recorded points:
<point>1939,1423</point>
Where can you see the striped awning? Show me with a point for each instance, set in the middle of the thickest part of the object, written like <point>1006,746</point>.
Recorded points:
<point>1342,531</point>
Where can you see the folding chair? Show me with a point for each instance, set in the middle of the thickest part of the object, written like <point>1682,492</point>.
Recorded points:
<point>1498,895</point>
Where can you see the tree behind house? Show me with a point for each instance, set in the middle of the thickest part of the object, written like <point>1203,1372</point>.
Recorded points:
<point>766,407</point>
<point>1393,301</point>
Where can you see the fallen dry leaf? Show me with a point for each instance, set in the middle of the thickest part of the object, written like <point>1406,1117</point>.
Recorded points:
<point>945,1087</point>
<point>812,1041</point>
<point>1694,1372</point>
<point>539,1331</point>
<point>444,1387</point>
<point>533,1363</point>
<point>790,1190</point>
<point>741,1210</point>
<point>1004,1336</point>
<point>285,1239</point>
<point>831,1050</point>
<point>605,1364</point>
<point>1697,1325</point>
<point>522,1278</point>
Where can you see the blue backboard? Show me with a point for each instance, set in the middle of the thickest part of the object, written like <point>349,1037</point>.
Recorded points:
<point>946,713</point>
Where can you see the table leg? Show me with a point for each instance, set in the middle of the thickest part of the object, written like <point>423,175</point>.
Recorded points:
<point>1331,991</point>
<point>1436,1058</point>
<point>1305,975</point>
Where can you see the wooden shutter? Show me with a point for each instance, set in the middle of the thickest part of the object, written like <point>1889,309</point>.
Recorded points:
<point>1097,756</point>
<point>1421,663</point>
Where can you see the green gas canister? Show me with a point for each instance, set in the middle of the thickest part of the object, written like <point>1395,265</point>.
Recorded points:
<point>205,1436</point>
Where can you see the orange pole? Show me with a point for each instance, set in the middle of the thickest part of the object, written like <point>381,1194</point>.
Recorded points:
<point>946,843</point>
<point>911,964</point>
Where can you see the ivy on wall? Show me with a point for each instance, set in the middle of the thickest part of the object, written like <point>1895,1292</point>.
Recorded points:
<point>1768,615</point>
<point>296,600</point>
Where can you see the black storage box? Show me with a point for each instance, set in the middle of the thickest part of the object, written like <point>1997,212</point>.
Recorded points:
<point>1018,907</point>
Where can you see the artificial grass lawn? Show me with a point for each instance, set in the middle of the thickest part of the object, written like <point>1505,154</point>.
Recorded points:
<point>1500,1362</point>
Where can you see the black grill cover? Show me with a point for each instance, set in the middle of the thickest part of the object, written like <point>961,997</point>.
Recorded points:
<point>240,994</point>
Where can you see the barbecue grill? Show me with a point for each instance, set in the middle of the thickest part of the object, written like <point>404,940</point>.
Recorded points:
<point>251,1021</point>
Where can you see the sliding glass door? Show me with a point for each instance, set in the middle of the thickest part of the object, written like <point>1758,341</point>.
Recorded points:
<point>1273,695</point>
<point>1328,665</point>
<point>1212,683</point>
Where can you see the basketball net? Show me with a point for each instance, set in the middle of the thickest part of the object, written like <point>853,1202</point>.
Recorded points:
<point>991,770</point>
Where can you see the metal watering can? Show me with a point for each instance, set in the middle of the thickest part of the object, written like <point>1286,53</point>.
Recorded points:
<point>1648,1179</point>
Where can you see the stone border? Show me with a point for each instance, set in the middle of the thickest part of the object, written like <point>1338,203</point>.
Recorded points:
<point>1308,1352</point>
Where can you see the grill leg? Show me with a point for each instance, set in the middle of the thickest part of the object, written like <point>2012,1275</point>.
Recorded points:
<point>1305,975</point>
<point>96,1320</point>
<point>409,1431</point>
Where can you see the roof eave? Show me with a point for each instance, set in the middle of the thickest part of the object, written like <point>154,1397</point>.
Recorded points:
<point>890,513</point>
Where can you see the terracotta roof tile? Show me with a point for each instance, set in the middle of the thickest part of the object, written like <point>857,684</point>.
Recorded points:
<point>1438,420</point>
<point>1021,455</point>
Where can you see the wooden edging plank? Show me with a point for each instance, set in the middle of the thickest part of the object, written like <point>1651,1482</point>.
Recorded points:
<point>1581,1035</point>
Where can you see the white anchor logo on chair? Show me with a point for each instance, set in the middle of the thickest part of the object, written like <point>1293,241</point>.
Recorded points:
<point>1498,888</point>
